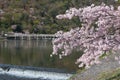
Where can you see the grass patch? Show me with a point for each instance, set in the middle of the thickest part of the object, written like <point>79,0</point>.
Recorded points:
<point>111,75</point>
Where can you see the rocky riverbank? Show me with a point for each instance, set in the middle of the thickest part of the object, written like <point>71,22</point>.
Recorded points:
<point>103,71</point>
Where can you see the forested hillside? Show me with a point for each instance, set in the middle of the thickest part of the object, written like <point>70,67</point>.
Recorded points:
<point>39,16</point>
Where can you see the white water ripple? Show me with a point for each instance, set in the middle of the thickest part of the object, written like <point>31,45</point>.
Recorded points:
<point>36,74</point>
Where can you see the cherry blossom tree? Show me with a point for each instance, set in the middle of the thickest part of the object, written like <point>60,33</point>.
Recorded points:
<point>99,34</point>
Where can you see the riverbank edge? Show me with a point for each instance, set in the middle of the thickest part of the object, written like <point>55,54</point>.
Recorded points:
<point>107,69</point>
<point>74,76</point>
<point>110,75</point>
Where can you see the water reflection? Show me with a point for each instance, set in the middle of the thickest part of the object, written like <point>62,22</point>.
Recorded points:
<point>34,53</point>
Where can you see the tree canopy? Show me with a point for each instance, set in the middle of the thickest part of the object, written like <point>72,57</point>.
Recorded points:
<point>98,35</point>
<point>41,14</point>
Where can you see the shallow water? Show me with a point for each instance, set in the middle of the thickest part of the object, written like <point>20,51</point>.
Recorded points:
<point>34,53</point>
<point>11,72</point>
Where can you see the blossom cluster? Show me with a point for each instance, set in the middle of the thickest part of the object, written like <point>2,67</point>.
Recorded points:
<point>98,34</point>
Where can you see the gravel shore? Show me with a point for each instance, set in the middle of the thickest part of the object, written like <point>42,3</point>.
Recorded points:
<point>93,73</point>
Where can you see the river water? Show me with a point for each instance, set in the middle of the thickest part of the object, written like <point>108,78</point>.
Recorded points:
<point>36,54</point>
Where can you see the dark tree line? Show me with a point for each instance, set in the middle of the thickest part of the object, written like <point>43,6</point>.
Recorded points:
<point>40,14</point>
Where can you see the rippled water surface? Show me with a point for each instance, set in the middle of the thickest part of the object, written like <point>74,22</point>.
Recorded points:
<point>34,53</point>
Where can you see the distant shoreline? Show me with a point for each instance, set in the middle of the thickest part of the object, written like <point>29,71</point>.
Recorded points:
<point>21,36</point>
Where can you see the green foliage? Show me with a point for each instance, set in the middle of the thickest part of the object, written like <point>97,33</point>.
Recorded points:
<point>42,13</point>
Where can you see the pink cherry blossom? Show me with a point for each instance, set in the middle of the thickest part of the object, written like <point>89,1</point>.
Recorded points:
<point>99,34</point>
